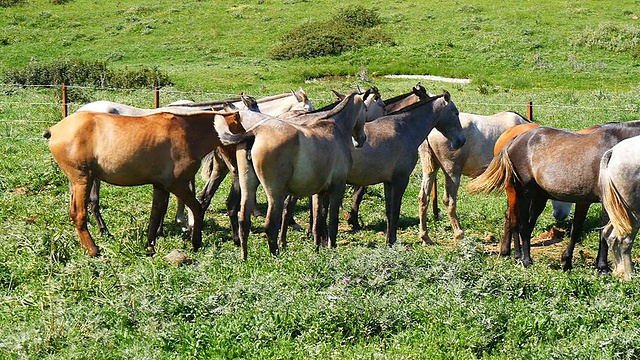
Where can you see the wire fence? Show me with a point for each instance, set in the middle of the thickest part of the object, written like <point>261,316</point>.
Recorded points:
<point>15,114</point>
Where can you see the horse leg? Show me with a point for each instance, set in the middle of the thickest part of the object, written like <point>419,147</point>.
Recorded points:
<point>579,215</point>
<point>450,200</point>
<point>185,194</point>
<point>218,172</point>
<point>393,199</point>
<point>274,219</point>
<point>530,210</point>
<point>233,207</point>
<point>94,203</point>
<point>352,219</point>
<point>335,195</point>
<point>319,230</point>
<point>434,199</point>
<point>511,224</point>
<point>427,186</point>
<point>158,210</point>
<point>289,209</point>
<point>602,264</point>
<point>624,267</point>
<point>248,186</point>
<point>78,213</point>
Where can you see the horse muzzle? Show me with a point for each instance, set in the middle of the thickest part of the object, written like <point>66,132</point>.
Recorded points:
<point>359,142</point>
<point>458,142</point>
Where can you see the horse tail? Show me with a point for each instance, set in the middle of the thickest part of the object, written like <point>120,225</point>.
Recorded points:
<point>495,177</point>
<point>613,202</point>
<point>46,134</point>
<point>207,166</point>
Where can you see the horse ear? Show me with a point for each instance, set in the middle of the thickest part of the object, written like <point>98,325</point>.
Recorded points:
<point>376,92</point>
<point>229,107</point>
<point>338,95</point>
<point>447,96</point>
<point>366,94</point>
<point>298,97</point>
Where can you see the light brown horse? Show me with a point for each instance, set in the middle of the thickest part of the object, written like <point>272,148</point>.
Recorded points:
<point>297,159</point>
<point>548,163</point>
<point>163,149</point>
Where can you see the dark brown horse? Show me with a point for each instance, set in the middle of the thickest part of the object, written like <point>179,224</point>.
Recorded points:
<point>547,163</point>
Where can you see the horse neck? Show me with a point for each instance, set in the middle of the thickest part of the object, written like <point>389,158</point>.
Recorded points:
<point>345,119</point>
<point>419,121</point>
<point>399,102</point>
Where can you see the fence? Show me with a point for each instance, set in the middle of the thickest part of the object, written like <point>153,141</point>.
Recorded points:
<point>7,129</point>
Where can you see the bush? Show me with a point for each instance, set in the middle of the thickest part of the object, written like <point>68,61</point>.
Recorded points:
<point>610,37</point>
<point>86,73</point>
<point>356,29</point>
<point>10,3</point>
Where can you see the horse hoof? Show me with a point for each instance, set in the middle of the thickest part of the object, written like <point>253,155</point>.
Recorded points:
<point>295,226</point>
<point>151,251</point>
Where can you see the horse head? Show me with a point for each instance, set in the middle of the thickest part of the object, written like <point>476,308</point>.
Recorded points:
<point>448,120</point>
<point>358,135</point>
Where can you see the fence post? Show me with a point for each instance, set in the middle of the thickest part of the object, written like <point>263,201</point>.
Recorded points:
<point>156,96</point>
<point>65,101</point>
<point>530,111</point>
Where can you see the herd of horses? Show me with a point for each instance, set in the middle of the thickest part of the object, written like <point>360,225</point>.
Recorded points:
<point>292,149</point>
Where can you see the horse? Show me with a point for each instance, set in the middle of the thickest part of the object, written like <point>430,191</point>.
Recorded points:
<point>312,158</point>
<point>162,149</point>
<point>561,209</point>
<point>470,160</point>
<point>549,163</point>
<point>391,152</point>
<point>620,186</point>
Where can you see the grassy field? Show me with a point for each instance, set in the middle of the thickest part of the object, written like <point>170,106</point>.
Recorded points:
<point>577,61</point>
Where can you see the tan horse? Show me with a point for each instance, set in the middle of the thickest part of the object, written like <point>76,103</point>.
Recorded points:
<point>163,149</point>
<point>297,159</point>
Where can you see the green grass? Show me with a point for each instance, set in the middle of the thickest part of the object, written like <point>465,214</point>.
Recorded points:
<point>361,300</point>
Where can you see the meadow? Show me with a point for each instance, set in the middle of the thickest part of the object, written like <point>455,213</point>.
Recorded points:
<point>577,61</point>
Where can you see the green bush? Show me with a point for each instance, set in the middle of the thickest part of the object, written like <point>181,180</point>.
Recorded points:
<point>357,28</point>
<point>9,3</point>
<point>86,73</point>
<point>610,37</point>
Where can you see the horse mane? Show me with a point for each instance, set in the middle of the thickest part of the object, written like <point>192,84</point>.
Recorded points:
<point>337,107</point>
<point>522,116</point>
<point>417,104</point>
<point>397,98</point>
<point>273,97</point>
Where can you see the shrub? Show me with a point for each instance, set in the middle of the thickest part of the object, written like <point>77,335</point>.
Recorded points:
<point>610,37</point>
<point>350,29</point>
<point>86,73</point>
<point>10,3</point>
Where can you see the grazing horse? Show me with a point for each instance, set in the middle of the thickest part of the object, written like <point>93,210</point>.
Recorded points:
<point>161,149</point>
<point>548,163</point>
<point>471,160</point>
<point>620,184</point>
<point>298,159</point>
<point>561,209</point>
<point>391,152</point>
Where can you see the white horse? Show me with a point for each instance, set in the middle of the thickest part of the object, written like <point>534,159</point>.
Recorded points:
<point>469,160</point>
<point>620,184</point>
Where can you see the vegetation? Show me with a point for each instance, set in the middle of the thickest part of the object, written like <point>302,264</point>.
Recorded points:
<point>361,300</point>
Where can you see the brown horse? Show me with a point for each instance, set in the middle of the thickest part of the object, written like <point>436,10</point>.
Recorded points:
<point>162,149</point>
<point>548,163</point>
<point>561,209</point>
<point>297,159</point>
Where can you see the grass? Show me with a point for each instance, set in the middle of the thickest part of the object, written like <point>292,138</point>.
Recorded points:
<point>361,300</point>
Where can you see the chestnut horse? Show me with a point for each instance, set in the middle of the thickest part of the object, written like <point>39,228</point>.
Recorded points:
<point>620,182</point>
<point>162,149</point>
<point>306,159</point>
<point>548,163</point>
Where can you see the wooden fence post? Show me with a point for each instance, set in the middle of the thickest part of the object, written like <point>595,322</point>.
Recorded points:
<point>530,111</point>
<point>65,101</point>
<point>156,93</point>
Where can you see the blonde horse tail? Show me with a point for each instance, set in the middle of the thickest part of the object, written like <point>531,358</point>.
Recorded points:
<point>495,177</point>
<point>613,202</point>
